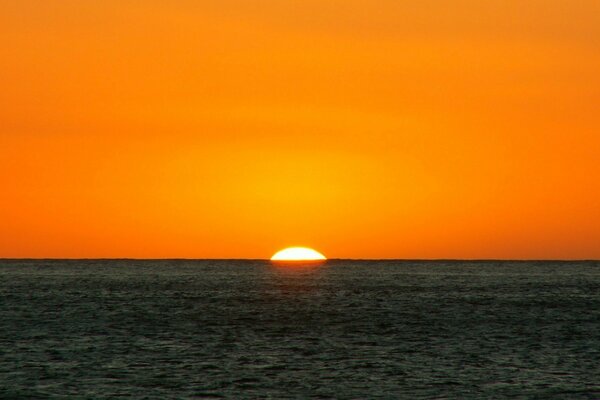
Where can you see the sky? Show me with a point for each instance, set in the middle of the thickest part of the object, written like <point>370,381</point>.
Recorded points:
<point>362,128</point>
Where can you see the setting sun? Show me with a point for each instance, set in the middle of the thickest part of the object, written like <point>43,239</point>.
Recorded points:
<point>298,254</point>
<point>424,174</point>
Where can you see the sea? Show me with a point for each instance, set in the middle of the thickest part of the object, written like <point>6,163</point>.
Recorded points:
<point>248,329</point>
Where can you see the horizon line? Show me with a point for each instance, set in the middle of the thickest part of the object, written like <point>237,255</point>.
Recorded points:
<point>268,259</point>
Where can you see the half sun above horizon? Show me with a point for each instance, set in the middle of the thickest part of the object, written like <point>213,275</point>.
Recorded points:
<point>298,254</point>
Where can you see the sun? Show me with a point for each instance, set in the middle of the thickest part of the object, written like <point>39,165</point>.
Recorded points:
<point>298,254</point>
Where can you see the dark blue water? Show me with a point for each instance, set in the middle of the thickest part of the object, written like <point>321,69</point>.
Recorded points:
<point>347,330</point>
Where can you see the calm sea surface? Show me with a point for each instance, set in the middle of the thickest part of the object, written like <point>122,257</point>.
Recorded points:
<point>347,330</point>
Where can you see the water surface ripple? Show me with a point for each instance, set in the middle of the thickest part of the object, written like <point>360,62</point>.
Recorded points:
<point>347,330</point>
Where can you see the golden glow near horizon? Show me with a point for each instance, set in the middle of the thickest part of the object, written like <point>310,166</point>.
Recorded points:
<point>298,254</point>
<point>369,128</point>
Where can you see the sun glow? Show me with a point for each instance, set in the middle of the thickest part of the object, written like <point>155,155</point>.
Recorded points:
<point>298,254</point>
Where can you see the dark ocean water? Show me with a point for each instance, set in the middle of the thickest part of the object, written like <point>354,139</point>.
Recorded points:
<point>347,330</point>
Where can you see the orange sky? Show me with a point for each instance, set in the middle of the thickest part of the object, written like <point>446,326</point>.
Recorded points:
<point>363,128</point>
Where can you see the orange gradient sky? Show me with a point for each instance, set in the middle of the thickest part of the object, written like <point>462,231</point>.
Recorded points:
<point>362,128</point>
